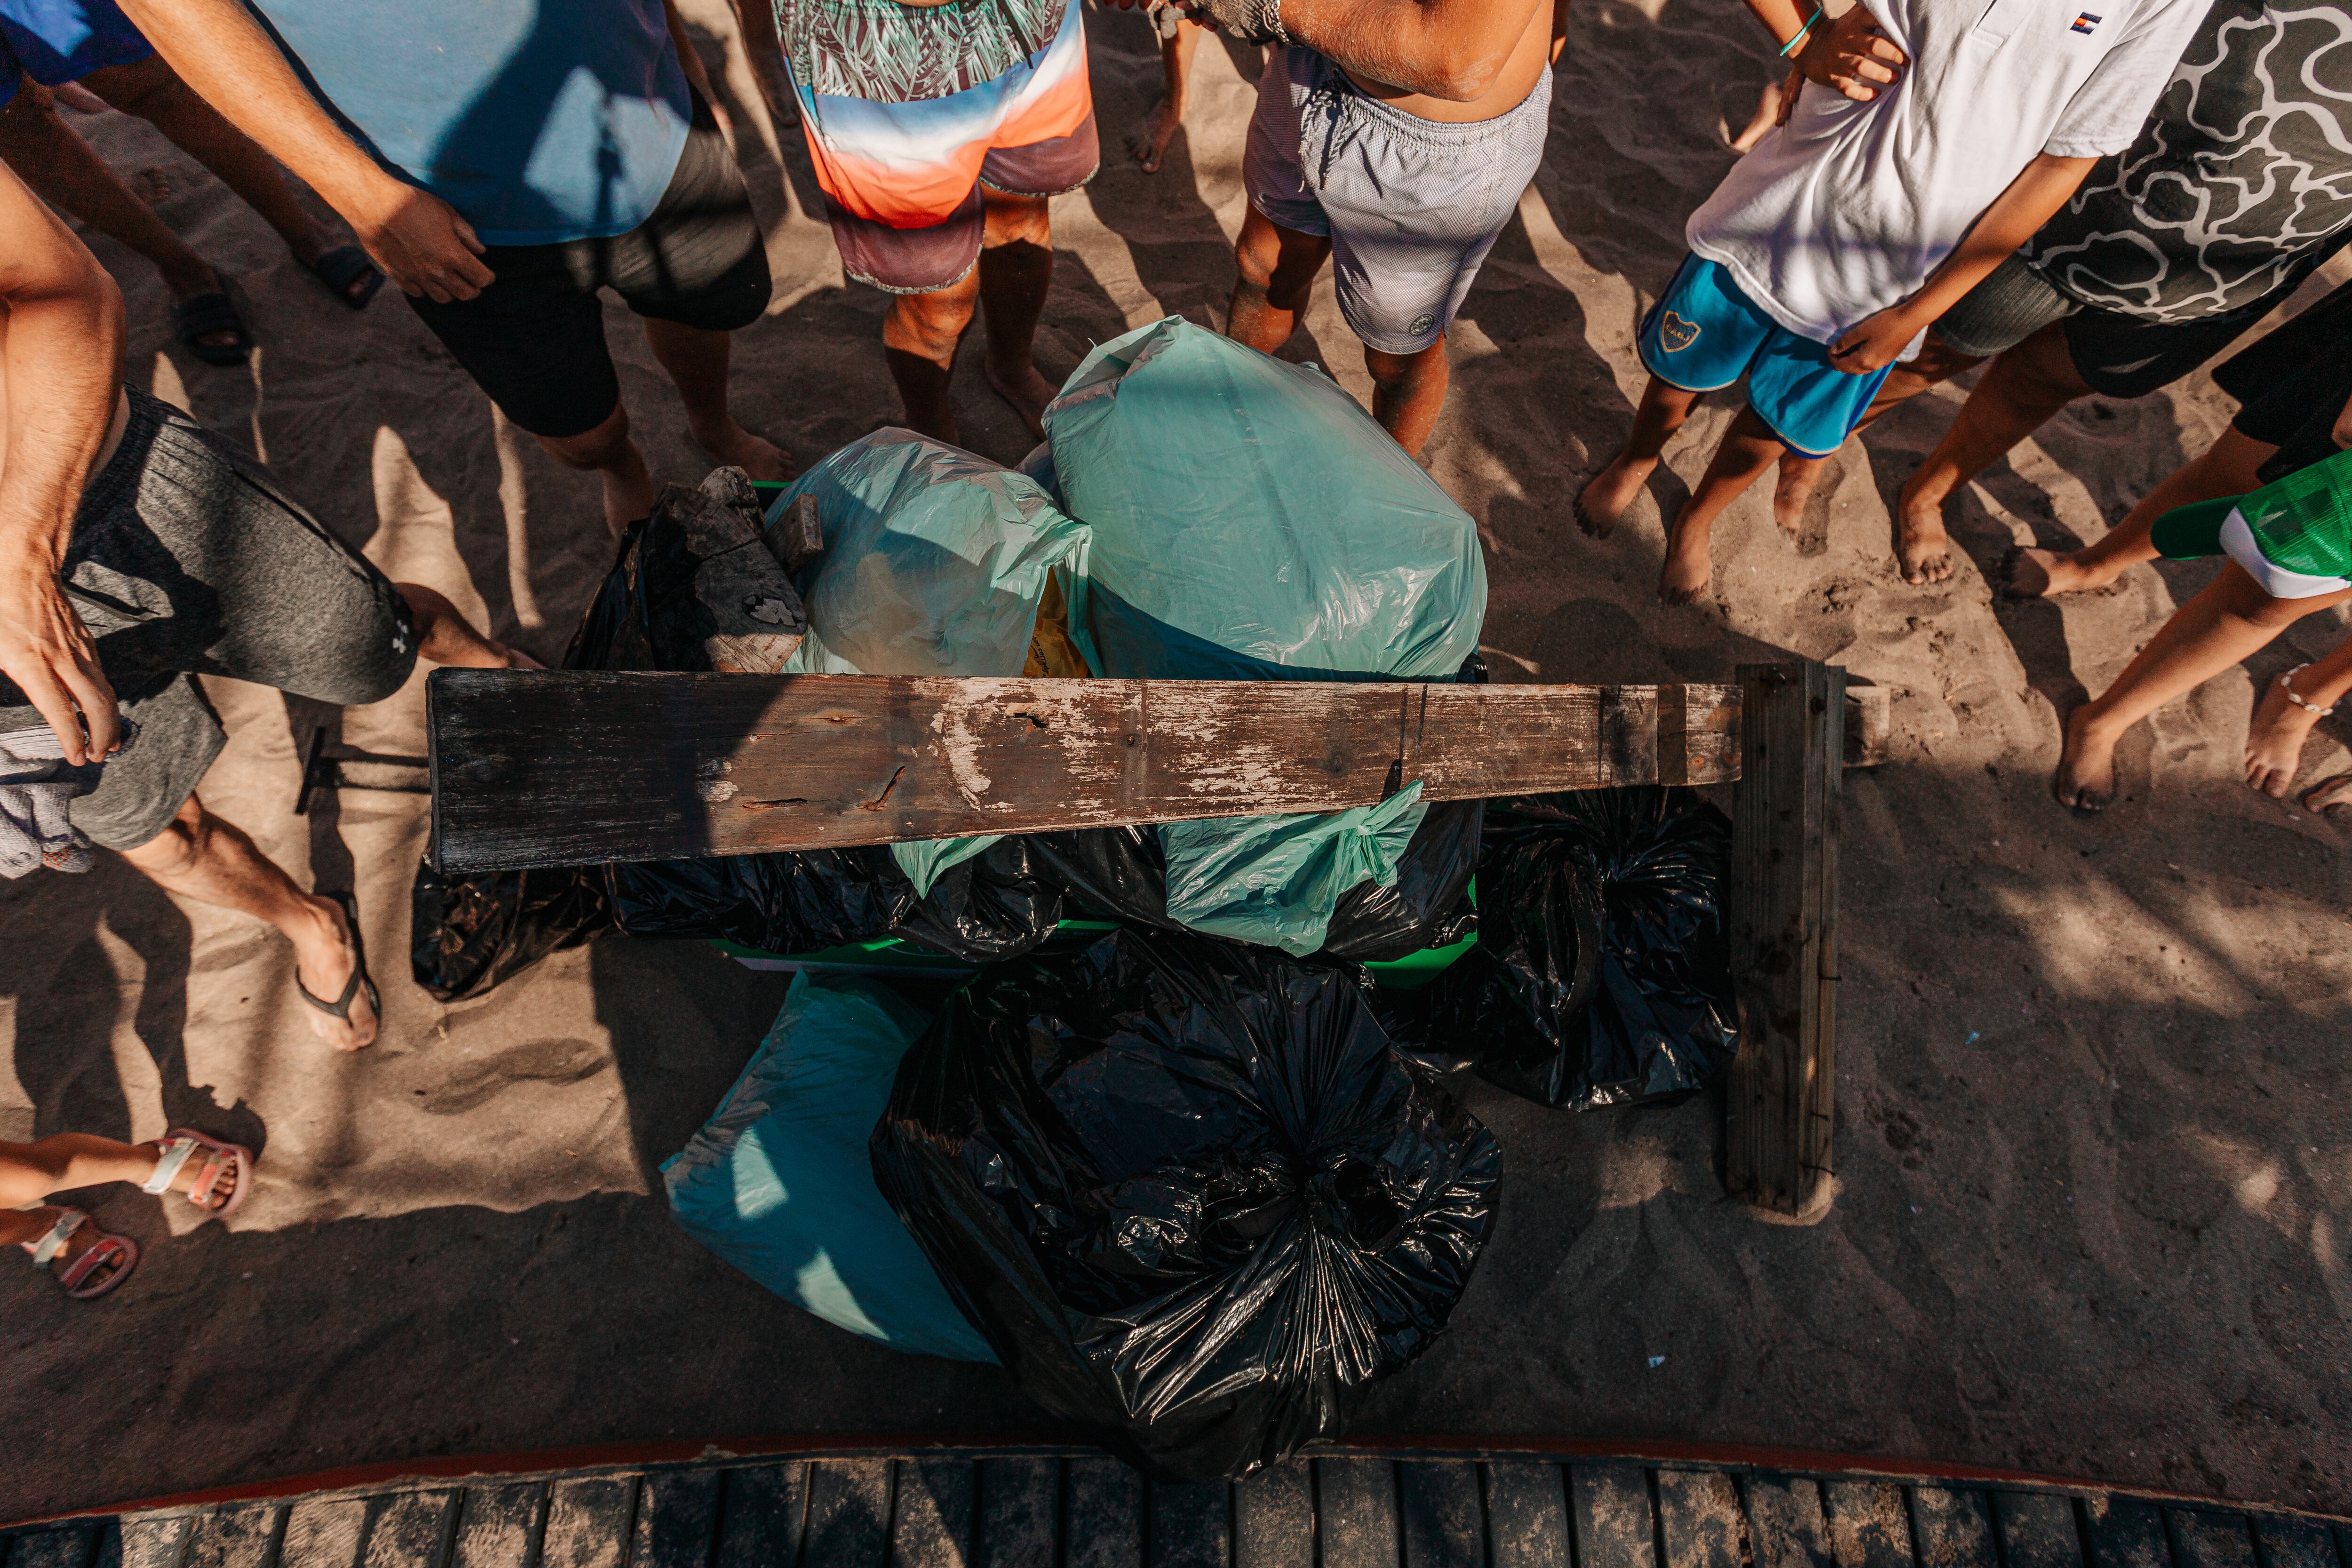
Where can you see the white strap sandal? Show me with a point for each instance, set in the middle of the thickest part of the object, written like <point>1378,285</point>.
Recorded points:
<point>118,1250</point>
<point>230,1160</point>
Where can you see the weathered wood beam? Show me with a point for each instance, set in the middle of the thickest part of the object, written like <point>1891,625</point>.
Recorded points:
<point>534,768</point>
<point>1784,904</point>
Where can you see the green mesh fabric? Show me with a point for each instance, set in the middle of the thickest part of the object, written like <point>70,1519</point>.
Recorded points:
<point>2302,523</point>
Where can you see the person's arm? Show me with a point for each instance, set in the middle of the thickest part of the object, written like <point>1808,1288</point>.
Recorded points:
<point>60,381</point>
<point>691,62</point>
<point>221,51</point>
<point>2040,189</point>
<point>757,18</point>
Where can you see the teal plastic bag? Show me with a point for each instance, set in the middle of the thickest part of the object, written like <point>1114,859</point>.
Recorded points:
<point>779,1183</point>
<point>1250,521</point>
<point>935,564</point>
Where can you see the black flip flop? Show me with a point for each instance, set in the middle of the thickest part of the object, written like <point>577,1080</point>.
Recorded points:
<point>341,1007</point>
<point>345,265</point>
<point>200,317</point>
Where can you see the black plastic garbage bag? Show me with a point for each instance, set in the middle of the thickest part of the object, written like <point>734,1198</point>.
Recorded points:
<point>1188,1191</point>
<point>1602,973</point>
<point>468,933</point>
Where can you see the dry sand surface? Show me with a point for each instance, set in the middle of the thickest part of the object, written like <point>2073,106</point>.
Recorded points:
<point>2094,1188</point>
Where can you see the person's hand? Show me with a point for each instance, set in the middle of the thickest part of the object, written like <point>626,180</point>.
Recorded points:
<point>2341,432</point>
<point>1235,18</point>
<point>46,650</point>
<point>1852,54</point>
<point>1875,343</point>
<point>420,242</point>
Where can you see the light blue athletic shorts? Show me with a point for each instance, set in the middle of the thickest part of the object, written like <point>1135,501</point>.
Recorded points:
<point>1411,205</point>
<point>1706,334</point>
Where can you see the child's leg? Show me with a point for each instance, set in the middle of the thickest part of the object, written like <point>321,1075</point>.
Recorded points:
<point>2024,386</point>
<point>1277,272</point>
<point>2227,468</point>
<point>2229,620</point>
<point>64,1161</point>
<point>1800,474</point>
<point>2274,740</point>
<point>1748,448</point>
<point>1601,504</point>
<point>1408,390</point>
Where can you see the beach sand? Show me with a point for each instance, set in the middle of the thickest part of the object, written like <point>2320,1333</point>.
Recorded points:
<point>2095,1163</point>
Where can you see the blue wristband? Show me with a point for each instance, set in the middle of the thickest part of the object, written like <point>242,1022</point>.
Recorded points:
<point>1791,46</point>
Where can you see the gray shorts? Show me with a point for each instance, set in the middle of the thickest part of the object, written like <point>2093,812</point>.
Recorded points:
<point>1411,205</point>
<point>2008,305</point>
<point>187,559</point>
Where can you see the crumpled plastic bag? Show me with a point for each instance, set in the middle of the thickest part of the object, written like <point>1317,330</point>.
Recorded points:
<point>1188,1190</point>
<point>1278,879</point>
<point>468,933</point>
<point>778,1182</point>
<point>1602,973</point>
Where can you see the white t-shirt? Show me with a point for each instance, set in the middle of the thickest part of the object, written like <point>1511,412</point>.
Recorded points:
<point>1847,208</point>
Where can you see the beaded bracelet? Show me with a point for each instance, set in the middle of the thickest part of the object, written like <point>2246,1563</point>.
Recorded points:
<point>2286,684</point>
<point>1791,46</point>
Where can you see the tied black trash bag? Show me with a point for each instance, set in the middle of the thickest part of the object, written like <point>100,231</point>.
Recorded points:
<point>1603,974</point>
<point>468,933</point>
<point>1188,1191</point>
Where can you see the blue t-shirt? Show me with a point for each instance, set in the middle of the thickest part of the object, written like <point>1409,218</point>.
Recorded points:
<point>539,123</point>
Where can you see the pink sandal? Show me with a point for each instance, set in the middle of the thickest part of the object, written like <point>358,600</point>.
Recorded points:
<point>234,1160</point>
<point>118,1250</point>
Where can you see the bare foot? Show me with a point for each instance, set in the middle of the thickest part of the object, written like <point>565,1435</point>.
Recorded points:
<point>1689,567</point>
<point>324,961</point>
<point>1922,548</point>
<point>2086,779</point>
<point>184,1184</point>
<point>1159,130</point>
<point>2031,573</point>
<point>2330,797</point>
<point>755,454</point>
<point>2274,743</point>
<point>1793,489</point>
<point>1027,390</point>
<point>1768,114</point>
<point>1600,505</point>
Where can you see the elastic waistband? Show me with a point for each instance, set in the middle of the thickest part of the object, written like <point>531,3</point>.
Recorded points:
<point>1452,135</point>
<point>119,480</point>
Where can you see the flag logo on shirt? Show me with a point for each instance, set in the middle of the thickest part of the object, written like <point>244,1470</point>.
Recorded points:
<point>2085,21</point>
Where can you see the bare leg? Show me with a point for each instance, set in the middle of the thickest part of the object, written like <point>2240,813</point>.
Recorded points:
<point>1800,474</point>
<point>202,858</point>
<point>1408,390</point>
<point>1176,76</point>
<point>444,636</point>
<point>26,1229</point>
<point>66,173</point>
<point>1016,268</point>
<point>696,360</point>
<point>65,1161</point>
<point>2229,620</point>
<point>1748,448</point>
<point>1601,504</point>
<point>1275,270</point>
<point>2025,386</point>
<point>1766,115</point>
<point>2227,468</point>
<point>918,338</point>
<point>609,454</point>
<point>2275,737</point>
<point>154,92</point>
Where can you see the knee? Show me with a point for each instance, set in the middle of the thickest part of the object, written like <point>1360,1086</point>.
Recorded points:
<point>931,325</point>
<point>1394,371</point>
<point>1014,220</point>
<point>177,851</point>
<point>2040,371</point>
<point>2276,615</point>
<point>30,118</point>
<point>605,447</point>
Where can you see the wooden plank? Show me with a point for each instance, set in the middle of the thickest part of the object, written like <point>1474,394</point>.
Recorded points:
<point>761,1513</point>
<point>324,1532</point>
<point>1356,1512</point>
<point>1444,1515</point>
<point>931,1513</point>
<point>498,1526</point>
<point>848,1514</point>
<point>2123,1532</point>
<point>2036,1530</point>
<point>241,1535</point>
<point>1527,1515</point>
<point>1019,1512</point>
<point>1786,1524</point>
<point>1784,935</point>
<point>156,1539</point>
<point>1952,1528</point>
<point>535,768</point>
<point>1610,1505</point>
<point>2203,1538</point>
<point>1191,1525</point>
<point>1869,1526</point>
<point>1274,1517</point>
<point>1103,1526</point>
<point>411,1530</point>
<point>590,1522</point>
<point>1700,1521</point>
<point>2282,1542</point>
<point>70,1547</point>
<point>677,1519</point>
